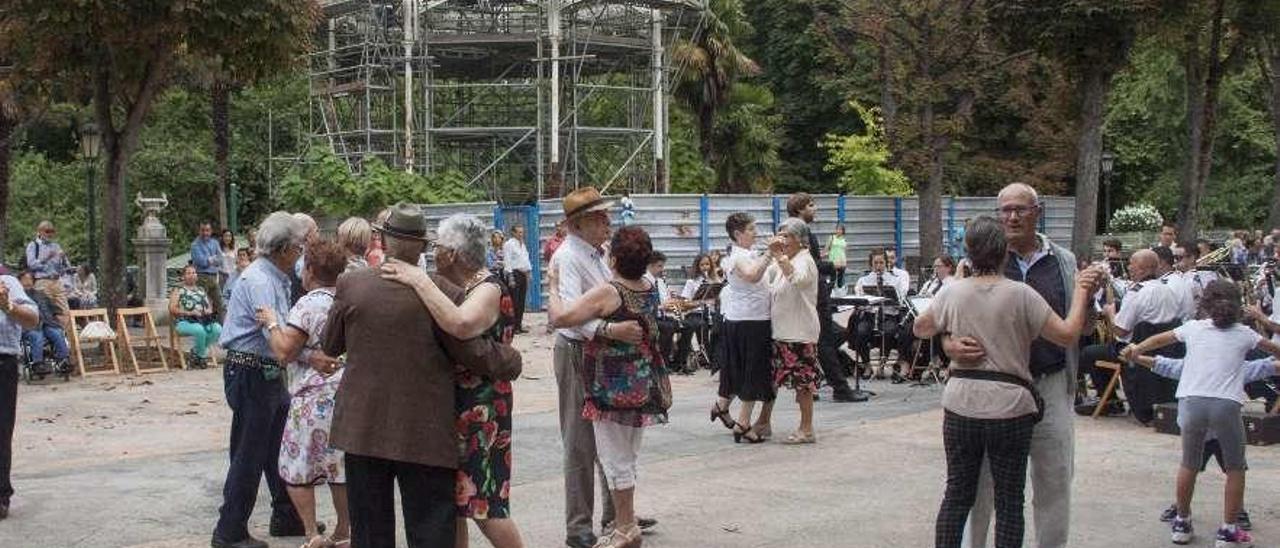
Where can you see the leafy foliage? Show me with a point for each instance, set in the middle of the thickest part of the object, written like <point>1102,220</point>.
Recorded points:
<point>862,160</point>
<point>323,184</point>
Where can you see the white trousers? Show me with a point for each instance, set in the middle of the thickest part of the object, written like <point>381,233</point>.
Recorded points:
<point>618,447</point>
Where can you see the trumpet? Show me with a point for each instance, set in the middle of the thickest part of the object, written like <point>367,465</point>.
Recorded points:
<point>1216,256</point>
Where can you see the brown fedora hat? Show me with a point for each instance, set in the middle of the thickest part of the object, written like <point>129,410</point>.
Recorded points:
<point>584,200</point>
<point>406,222</point>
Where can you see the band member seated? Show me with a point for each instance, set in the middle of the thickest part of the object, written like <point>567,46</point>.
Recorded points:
<point>879,320</point>
<point>903,285</point>
<point>698,299</point>
<point>668,320</point>
<point>1146,300</point>
<point>943,267</point>
<point>1172,277</point>
<point>1111,252</point>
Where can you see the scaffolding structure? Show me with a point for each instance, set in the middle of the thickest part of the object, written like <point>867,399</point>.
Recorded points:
<point>526,99</point>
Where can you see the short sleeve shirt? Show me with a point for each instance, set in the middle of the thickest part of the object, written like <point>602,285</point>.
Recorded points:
<point>1148,302</point>
<point>1213,366</point>
<point>741,300</point>
<point>1005,316</point>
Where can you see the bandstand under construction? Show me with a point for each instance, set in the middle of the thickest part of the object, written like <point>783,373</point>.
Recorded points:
<point>524,98</point>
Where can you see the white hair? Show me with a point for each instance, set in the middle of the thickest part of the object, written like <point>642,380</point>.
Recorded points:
<point>279,231</point>
<point>466,235</point>
<point>795,227</point>
<point>1019,188</point>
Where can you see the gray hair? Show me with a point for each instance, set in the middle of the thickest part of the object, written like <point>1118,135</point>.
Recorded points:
<point>1020,188</point>
<point>985,243</point>
<point>795,227</point>
<point>280,231</point>
<point>466,236</point>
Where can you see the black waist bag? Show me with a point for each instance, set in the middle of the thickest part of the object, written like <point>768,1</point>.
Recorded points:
<point>996,376</point>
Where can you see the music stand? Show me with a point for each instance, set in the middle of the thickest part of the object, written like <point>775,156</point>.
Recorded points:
<point>858,394</point>
<point>890,294</point>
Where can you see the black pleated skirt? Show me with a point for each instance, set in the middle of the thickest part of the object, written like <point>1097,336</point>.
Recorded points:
<point>746,360</point>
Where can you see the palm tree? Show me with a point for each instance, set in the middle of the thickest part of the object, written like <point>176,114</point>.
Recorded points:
<point>711,64</point>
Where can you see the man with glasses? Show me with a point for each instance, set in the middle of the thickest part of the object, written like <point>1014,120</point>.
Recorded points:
<point>1051,270</point>
<point>46,261</point>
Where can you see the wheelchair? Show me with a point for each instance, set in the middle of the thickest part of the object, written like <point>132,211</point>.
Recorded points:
<point>32,371</point>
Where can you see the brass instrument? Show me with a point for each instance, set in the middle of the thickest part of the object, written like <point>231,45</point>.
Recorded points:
<point>1102,326</point>
<point>1217,256</point>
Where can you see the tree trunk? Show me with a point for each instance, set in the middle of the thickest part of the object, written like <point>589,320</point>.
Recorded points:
<point>1093,98</point>
<point>888,103</point>
<point>930,196</point>
<point>1189,205</point>
<point>220,100</point>
<point>1273,58</point>
<point>6,146</point>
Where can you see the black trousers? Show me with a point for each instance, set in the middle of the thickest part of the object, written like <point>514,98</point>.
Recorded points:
<point>1099,352</point>
<point>1005,443</point>
<point>8,414</point>
<point>864,334</point>
<point>829,351</point>
<point>426,498</point>
<point>519,292</point>
<point>259,407</point>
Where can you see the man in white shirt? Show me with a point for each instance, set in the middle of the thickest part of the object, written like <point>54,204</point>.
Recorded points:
<point>516,263</point>
<point>668,327</point>
<point>863,323</point>
<point>581,264</point>
<point>1147,300</point>
<point>1182,288</point>
<point>903,284</point>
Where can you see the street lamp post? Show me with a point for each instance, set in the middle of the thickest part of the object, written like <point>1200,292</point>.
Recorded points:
<point>90,147</point>
<point>1108,163</point>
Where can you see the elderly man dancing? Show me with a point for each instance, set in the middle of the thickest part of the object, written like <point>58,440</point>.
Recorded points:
<point>395,413</point>
<point>255,387</point>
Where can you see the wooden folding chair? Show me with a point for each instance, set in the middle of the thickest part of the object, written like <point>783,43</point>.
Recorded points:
<point>106,345</point>
<point>175,346</point>
<point>150,338</point>
<point>1111,385</point>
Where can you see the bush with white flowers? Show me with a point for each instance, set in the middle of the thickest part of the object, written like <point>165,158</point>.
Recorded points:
<point>1139,217</point>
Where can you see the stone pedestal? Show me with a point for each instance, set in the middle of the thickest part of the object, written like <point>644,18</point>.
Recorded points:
<point>152,246</point>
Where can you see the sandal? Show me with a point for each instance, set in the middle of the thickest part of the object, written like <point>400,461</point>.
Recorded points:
<point>748,434</point>
<point>722,413</point>
<point>318,541</point>
<point>800,438</point>
<point>764,433</point>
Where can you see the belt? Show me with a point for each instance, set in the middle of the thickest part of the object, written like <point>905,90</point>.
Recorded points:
<point>574,342</point>
<point>246,359</point>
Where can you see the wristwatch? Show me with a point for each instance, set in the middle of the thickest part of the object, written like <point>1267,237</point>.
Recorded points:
<point>273,326</point>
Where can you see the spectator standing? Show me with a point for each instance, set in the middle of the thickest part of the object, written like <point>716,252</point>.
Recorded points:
<point>17,312</point>
<point>47,261</point>
<point>354,236</point>
<point>517,267</point>
<point>837,254</point>
<point>227,243</point>
<point>553,243</point>
<point>206,255</point>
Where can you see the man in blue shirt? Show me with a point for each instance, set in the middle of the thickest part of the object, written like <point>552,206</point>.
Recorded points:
<point>206,254</point>
<point>47,262</point>
<point>17,312</point>
<point>255,387</point>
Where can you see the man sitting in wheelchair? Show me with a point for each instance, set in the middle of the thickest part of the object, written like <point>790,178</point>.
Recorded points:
<point>48,331</point>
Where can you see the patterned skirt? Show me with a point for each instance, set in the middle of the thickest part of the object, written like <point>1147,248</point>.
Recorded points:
<point>483,488</point>
<point>795,366</point>
<point>306,457</point>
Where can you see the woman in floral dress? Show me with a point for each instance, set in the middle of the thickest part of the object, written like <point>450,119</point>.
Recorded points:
<point>793,293</point>
<point>484,405</point>
<point>306,457</point>
<point>626,385</point>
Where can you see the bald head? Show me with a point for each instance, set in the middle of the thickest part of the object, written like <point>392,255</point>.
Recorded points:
<point>1022,191</point>
<point>1143,265</point>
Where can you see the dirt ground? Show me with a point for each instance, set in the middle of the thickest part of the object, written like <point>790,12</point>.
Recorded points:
<point>139,460</point>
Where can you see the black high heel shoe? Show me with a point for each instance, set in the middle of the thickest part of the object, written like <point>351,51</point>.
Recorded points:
<point>748,434</point>
<point>722,413</point>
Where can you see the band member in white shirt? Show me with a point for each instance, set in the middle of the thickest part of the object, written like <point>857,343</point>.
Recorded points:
<point>903,278</point>
<point>943,267</point>
<point>882,316</point>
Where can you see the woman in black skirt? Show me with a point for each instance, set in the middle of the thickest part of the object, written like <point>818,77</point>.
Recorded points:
<point>746,368</point>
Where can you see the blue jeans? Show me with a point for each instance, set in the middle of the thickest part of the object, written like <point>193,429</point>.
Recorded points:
<point>37,337</point>
<point>259,408</point>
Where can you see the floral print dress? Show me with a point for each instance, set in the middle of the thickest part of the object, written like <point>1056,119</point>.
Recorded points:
<point>483,488</point>
<point>306,457</point>
<point>628,383</point>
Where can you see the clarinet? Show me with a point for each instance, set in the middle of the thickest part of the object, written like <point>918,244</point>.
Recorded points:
<point>879,308</point>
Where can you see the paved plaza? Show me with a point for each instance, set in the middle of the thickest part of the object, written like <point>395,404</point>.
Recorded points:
<point>139,461</point>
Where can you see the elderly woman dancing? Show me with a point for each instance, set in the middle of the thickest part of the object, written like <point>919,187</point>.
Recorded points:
<point>991,406</point>
<point>484,405</point>
<point>793,292</point>
<point>626,384</point>
<point>306,458</point>
<point>745,368</point>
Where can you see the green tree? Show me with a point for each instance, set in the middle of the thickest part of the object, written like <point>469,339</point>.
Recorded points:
<point>712,62</point>
<point>861,161</point>
<point>324,184</point>
<point>1091,40</point>
<point>1261,21</point>
<point>124,54</point>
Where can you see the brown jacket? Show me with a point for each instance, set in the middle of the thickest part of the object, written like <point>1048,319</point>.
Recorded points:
<point>396,398</point>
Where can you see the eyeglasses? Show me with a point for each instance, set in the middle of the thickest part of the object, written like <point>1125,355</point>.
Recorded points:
<point>1007,212</point>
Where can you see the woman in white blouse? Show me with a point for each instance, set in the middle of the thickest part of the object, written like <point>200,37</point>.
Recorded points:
<point>793,291</point>
<point>746,371</point>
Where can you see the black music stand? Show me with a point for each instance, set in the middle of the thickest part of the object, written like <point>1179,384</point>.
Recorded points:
<point>858,394</point>
<point>891,294</point>
<point>705,292</point>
